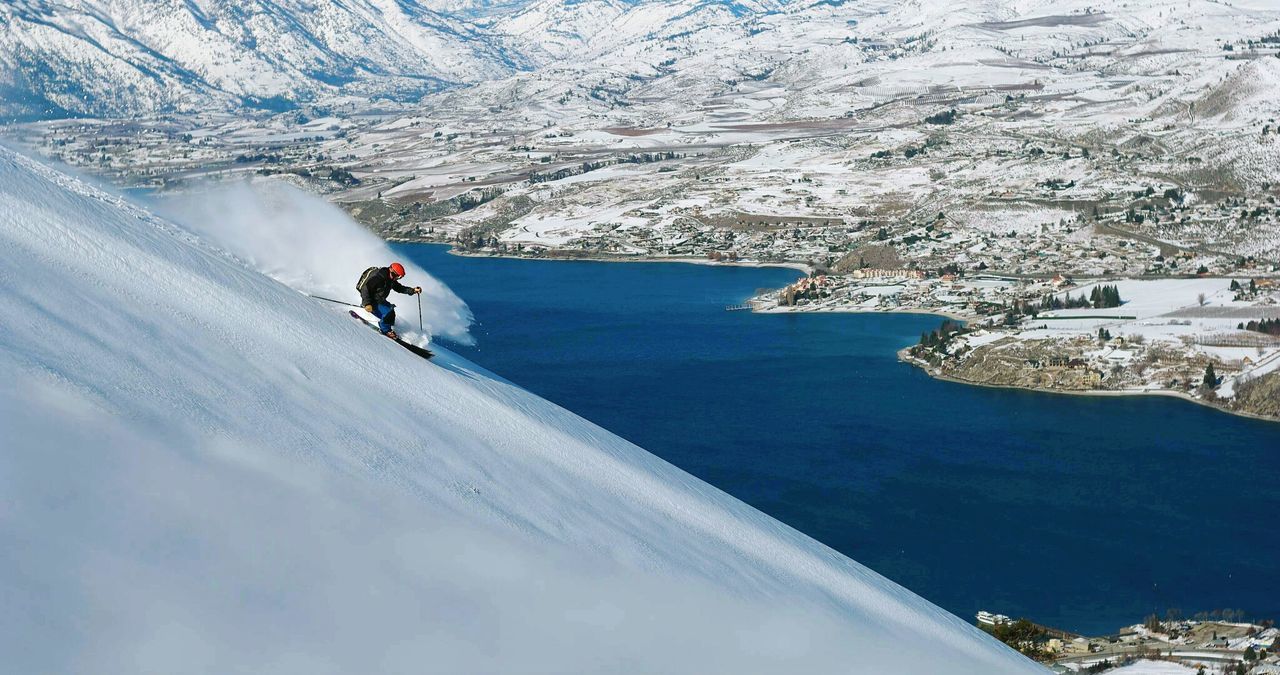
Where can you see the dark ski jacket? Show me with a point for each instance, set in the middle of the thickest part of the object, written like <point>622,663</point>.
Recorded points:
<point>376,284</point>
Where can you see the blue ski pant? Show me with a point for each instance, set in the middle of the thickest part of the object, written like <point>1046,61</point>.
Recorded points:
<point>386,313</point>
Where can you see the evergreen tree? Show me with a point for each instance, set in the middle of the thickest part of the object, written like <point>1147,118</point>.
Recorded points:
<point>1103,297</point>
<point>1235,285</point>
<point>1210,377</point>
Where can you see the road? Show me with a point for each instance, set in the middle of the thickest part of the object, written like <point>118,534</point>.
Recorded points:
<point>1186,654</point>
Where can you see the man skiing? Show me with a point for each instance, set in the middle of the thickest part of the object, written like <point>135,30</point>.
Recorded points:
<point>375,285</point>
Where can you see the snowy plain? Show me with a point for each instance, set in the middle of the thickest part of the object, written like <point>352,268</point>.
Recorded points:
<point>203,470</point>
<point>1154,668</point>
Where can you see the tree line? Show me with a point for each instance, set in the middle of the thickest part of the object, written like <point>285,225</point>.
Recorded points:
<point>1102,297</point>
<point>1268,326</point>
<point>585,167</point>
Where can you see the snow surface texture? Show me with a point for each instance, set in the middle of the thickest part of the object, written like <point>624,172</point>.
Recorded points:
<point>204,471</point>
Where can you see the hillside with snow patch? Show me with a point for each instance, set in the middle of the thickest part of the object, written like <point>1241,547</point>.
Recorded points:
<point>203,470</point>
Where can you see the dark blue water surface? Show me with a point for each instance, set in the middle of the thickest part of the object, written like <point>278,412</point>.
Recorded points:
<point>1078,512</point>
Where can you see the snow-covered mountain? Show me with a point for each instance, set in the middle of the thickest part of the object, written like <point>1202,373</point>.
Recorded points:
<point>129,57</point>
<point>659,59</point>
<point>203,470</point>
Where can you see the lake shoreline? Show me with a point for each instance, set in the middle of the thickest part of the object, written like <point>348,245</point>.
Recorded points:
<point>905,356</point>
<point>902,354</point>
<point>927,311</point>
<point>799,267</point>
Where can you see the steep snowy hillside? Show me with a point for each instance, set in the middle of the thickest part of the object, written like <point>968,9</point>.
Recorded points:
<point>131,57</point>
<point>203,470</point>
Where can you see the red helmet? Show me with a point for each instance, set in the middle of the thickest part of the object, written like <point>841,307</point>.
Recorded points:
<point>397,269</point>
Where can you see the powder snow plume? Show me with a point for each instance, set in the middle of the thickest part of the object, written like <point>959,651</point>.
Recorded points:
<point>305,242</point>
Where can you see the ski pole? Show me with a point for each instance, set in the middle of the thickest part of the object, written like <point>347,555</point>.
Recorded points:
<point>339,302</point>
<point>420,328</point>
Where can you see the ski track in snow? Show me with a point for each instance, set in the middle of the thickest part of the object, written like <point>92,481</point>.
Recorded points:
<point>204,471</point>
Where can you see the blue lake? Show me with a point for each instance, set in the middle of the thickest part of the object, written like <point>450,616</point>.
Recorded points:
<point>1077,512</point>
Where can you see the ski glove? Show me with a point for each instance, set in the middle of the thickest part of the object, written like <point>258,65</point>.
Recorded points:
<point>368,308</point>
<point>417,289</point>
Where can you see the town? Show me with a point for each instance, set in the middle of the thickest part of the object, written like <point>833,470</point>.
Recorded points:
<point>1211,643</point>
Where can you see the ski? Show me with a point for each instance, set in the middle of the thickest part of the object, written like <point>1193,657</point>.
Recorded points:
<point>420,351</point>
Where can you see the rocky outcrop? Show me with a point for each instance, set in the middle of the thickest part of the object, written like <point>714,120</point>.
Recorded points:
<point>1259,396</point>
<point>994,369</point>
<point>875,255</point>
<point>1044,366</point>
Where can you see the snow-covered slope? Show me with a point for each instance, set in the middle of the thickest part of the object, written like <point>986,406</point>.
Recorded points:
<point>130,57</point>
<point>202,470</point>
<point>1096,63</point>
<point>551,31</point>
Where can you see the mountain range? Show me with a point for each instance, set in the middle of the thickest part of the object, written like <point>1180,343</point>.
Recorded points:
<point>129,58</point>
<point>121,58</point>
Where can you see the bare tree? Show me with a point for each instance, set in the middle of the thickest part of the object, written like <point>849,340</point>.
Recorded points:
<point>1200,298</point>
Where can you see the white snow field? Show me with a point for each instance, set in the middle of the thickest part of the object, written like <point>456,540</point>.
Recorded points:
<point>202,470</point>
<point>1153,668</point>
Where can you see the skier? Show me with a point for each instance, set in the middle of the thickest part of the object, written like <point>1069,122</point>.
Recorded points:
<point>375,285</point>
